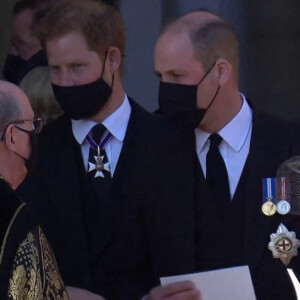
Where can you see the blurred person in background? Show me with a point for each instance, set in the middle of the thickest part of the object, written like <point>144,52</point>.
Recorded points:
<point>26,52</point>
<point>37,86</point>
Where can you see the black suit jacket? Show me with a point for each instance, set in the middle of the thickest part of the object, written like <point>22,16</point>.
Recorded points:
<point>146,230</point>
<point>272,142</point>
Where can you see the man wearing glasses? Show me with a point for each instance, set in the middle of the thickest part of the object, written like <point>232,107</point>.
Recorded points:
<point>27,266</point>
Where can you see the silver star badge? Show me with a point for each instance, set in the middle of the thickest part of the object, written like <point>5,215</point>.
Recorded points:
<point>284,244</point>
<point>99,166</point>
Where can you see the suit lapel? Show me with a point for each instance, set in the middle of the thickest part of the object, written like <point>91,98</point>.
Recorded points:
<point>66,196</point>
<point>66,171</point>
<point>127,157</point>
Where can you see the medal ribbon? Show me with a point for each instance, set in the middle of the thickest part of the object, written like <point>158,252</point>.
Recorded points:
<point>283,183</point>
<point>283,189</point>
<point>103,142</point>
<point>268,189</point>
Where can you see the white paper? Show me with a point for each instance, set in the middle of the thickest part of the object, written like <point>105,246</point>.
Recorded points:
<point>295,282</point>
<point>232,283</point>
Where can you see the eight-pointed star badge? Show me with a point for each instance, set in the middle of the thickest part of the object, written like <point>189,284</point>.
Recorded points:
<point>284,244</point>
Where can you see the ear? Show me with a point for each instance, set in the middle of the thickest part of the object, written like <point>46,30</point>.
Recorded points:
<point>114,59</point>
<point>10,137</point>
<point>224,69</point>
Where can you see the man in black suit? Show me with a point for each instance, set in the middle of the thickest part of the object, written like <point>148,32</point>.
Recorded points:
<point>196,59</point>
<point>106,202</point>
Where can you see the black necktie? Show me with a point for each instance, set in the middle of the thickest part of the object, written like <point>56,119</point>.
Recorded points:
<point>98,162</point>
<point>216,173</point>
<point>98,197</point>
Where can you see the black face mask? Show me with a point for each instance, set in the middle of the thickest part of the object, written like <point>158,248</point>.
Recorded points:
<point>83,101</point>
<point>15,68</point>
<point>12,68</point>
<point>178,102</point>
<point>31,161</point>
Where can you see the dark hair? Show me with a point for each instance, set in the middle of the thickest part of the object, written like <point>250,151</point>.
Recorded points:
<point>211,39</point>
<point>39,9</point>
<point>100,24</point>
<point>25,4</point>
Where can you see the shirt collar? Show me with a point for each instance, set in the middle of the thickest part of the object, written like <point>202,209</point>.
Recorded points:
<point>234,133</point>
<point>116,123</point>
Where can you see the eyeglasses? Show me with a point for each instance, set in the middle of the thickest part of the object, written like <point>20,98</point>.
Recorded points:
<point>37,125</point>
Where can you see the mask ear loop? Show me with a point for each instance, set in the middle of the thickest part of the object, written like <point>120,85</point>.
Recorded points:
<point>113,80</point>
<point>207,72</point>
<point>113,76</point>
<point>103,68</point>
<point>214,97</point>
<point>217,91</point>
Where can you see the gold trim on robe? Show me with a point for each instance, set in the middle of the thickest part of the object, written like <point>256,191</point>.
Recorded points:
<point>35,275</point>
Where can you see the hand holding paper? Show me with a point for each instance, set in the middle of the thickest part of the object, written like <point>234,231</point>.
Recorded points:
<point>183,290</point>
<point>232,283</point>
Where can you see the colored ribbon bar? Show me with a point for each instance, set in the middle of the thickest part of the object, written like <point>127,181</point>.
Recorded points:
<point>282,188</point>
<point>283,195</point>
<point>268,189</point>
<point>269,207</point>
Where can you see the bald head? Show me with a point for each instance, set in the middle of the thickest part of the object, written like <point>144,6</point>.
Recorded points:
<point>15,145</point>
<point>211,37</point>
<point>190,20</point>
<point>14,104</point>
<point>11,89</point>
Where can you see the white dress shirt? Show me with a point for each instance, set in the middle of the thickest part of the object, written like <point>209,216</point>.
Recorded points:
<point>234,147</point>
<point>116,123</point>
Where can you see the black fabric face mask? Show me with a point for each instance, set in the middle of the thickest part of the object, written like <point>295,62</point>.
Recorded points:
<point>83,101</point>
<point>15,68</point>
<point>178,102</point>
<point>12,68</point>
<point>31,161</point>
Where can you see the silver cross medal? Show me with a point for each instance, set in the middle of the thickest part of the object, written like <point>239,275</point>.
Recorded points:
<point>99,166</point>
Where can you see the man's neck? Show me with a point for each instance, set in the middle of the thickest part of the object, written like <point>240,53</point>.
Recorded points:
<point>114,102</point>
<point>220,115</point>
<point>15,178</point>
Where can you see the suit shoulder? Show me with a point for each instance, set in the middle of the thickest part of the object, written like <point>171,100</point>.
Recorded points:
<point>58,131</point>
<point>150,122</point>
<point>279,130</point>
<point>56,125</point>
<point>275,123</point>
